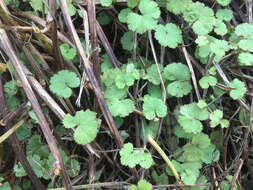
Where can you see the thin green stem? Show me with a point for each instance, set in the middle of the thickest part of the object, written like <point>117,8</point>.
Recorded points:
<point>165,158</point>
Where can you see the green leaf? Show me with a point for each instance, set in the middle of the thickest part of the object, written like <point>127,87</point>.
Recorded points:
<point>62,82</point>
<point>35,146</point>
<point>127,41</point>
<point>67,52</point>
<point>103,18</point>
<point>238,89</point>
<point>148,18</point>
<point>5,186</point>
<point>220,28</point>
<point>130,157</point>
<point>113,92</point>
<point>108,77</point>
<point>37,5</point>
<point>193,111</point>
<point>176,71</point>
<point>245,30</point>
<point>153,107</point>
<point>193,166</point>
<point>210,154</point>
<point>179,88</point>
<point>190,125</point>
<point>13,102</point>
<point>217,139</point>
<point>207,81</point>
<point>188,177</point>
<point>220,47</point>
<point>202,104</point>
<point>200,17</point>
<point>224,14</point>
<point>73,167</point>
<point>122,16</point>
<point>71,8</point>
<point>127,77</point>
<point>225,185</point>
<point>169,35</point>
<point>33,116</point>
<point>192,153</point>
<point>144,185</point>
<point>154,90</point>
<point>190,117</point>
<point>87,126</point>
<point>10,88</point>
<point>132,3</point>
<point>201,140</point>
<point>180,133</point>
<point>178,7</point>
<point>106,3</point>
<point>23,132</point>
<point>223,2</point>
<point>202,40</point>
<point>245,59</point>
<point>106,64</point>
<point>160,179</point>
<point>133,187</point>
<point>19,170</point>
<point>152,74</point>
<point>244,117</point>
<point>216,119</point>
<point>120,108</point>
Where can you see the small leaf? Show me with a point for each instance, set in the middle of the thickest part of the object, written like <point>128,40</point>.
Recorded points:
<point>106,3</point>
<point>122,16</point>
<point>210,154</point>
<point>176,71</point>
<point>35,146</point>
<point>37,5</point>
<point>103,18</point>
<point>169,35</point>
<point>120,108</point>
<point>178,7</point>
<point>127,41</point>
<point>224,14</point>
<point>244,117</point>
<point>181,133</point>
<point>153,107</point>
<point>152,74</point>
<point>207,81</point>
<point>220,28</point>
<point>202,104</point>
<point>220,47</point>
<point>87,126</point>
<point>245,30</point>
<point>62,82</point>
<point>238,89</point>
<point>148,18</point>
<point>188,177</point>
<point>192,153</point>
<point>223,2</point>
<point>245,59</point>
<point>132,3</point>
<point>179,88</point>
<point>67,52</point>
<point>144,185</point>
<point>201,140</point>
<point>130,157</point>
<point>190,125</point>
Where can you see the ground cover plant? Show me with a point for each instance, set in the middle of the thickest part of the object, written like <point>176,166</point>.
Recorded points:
<point>126,94</point>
